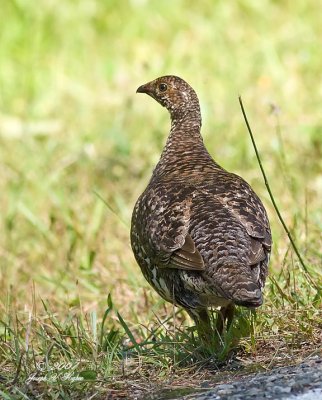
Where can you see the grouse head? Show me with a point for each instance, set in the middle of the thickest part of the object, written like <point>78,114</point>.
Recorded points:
<point>173,93</point>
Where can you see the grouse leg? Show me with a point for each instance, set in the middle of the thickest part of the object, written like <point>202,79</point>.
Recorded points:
<point>225,314</point>
<point>203,324</point>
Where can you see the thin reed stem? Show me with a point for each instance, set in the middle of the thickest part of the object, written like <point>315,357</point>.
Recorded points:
<point>305,268</point>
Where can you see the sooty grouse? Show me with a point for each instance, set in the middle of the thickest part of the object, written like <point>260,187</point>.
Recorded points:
<point>199,233</point>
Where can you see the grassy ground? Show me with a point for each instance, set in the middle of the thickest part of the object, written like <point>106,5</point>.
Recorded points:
<point>73,132</point>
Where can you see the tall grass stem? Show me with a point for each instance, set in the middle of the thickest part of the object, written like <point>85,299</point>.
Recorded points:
<point>304,266</point>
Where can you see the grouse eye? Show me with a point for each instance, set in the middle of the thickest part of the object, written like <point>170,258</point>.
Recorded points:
<point>163,87</point>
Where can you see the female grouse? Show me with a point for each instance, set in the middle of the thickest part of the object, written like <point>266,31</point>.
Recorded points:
<point>199,233</point>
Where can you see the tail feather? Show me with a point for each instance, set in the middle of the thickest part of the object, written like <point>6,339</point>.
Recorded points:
<point>239,284</point>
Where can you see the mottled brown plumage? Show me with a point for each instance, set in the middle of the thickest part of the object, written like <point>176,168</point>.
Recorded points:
<point>199,233</point>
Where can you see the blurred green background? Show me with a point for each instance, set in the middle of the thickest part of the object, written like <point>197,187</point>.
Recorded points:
<point>73,129</point>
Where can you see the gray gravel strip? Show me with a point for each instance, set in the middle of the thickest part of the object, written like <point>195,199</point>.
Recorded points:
<point>315,394</point>
<point>300,382</point>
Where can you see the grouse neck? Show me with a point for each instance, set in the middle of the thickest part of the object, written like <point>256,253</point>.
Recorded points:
<point>186,119</point>
<point>184,149</point>
<point>185,129</point>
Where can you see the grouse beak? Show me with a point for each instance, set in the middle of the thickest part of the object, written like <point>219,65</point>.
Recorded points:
<point>144,89</point>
